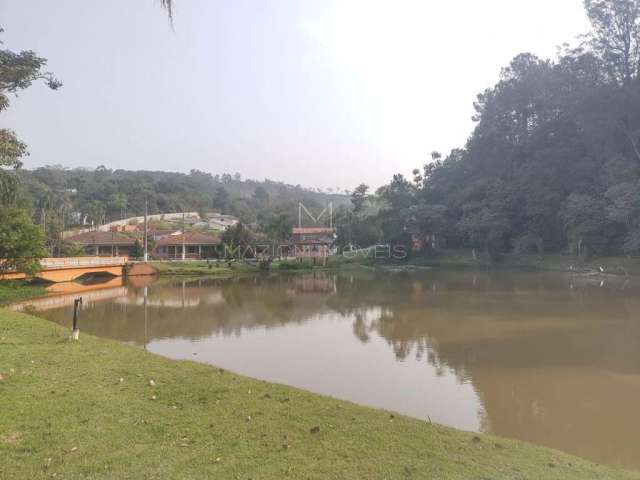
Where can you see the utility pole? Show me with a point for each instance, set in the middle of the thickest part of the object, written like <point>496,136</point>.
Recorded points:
<point>62,229</point>
<point>145,316</point>
<point>183,242</point>
<point>146,253</point>
<point>331,215</point>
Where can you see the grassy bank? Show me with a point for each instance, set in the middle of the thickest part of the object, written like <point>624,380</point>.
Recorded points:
<point>547,262</point>
<point>99,409</point>
<point>194,268</point>
<point>222,268</point>
<point>14,291</point>
<point>447,259</point>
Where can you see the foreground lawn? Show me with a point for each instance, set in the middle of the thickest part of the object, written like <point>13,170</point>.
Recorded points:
<point>99,409</point>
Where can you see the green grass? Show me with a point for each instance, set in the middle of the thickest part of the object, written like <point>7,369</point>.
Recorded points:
<point>548,262</point>
<point>213,268</point>
<point>88,409</point>
<point>448,259</point>
<point>222,268</point>
<point>14,291</point>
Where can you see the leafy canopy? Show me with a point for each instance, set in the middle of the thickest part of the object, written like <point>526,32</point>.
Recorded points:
<point>21,242</point>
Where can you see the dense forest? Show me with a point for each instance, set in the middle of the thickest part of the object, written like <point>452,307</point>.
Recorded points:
<point>553,163</point>
<point>97,196</point>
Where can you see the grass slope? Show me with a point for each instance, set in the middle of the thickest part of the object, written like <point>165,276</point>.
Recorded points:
<point>14,291</point>
<point>548,262</point>
<point>88,409</point>
<point>193,268</point>
<point>222,268</point>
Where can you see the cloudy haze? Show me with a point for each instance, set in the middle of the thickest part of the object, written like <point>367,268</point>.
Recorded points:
<point>324,93</point>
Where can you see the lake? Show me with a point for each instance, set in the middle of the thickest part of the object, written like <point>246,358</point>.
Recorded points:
<point>552,359</point>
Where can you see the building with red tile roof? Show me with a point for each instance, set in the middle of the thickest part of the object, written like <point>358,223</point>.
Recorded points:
<point>313,243</point>
<point>196,246</point>
<point>104,244</point>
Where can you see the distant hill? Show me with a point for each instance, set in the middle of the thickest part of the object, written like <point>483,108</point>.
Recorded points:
<point>101,195</point>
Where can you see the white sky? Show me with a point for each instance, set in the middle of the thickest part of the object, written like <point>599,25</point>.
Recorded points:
<point>323,93</point>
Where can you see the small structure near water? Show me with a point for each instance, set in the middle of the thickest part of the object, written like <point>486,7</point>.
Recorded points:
<point>195,246</point>
<point>312,243</point>
<point>104,244</point>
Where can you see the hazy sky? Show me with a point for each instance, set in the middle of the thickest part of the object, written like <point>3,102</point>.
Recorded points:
<point>324,93</point>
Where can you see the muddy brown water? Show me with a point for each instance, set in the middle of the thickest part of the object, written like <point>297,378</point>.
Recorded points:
<point>552,359</point>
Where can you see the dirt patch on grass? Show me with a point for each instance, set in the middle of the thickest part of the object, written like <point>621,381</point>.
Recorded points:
<point>11,437</point>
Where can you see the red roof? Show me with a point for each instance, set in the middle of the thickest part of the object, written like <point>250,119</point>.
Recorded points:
<point>101,238</point>
<point>189,239</point>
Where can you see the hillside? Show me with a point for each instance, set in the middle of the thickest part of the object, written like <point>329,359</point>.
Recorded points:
<point>104,195</point>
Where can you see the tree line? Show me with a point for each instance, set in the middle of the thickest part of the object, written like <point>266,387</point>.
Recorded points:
<point>553,163</point>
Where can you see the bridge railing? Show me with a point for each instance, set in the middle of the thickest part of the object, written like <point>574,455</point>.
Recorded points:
<point>80,262</point>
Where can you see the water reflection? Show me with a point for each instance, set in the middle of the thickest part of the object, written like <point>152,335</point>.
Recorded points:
<point>547,358</point>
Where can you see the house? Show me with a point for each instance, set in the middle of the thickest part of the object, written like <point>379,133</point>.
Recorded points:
<point>196,246</point>
<point>104,244</point>
<point>312,243</point>
<point>220,222</point>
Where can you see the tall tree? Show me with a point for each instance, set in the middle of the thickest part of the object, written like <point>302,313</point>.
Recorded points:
<point>21,242</point>
<point>616,36</point>
<point>17,72</point>
<point>615,40</point>
<point>359,197</point>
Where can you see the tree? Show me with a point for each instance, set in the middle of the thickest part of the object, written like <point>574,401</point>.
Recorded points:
<point>398,197</point>
<point>587,224</point>
<point>221,200</point>
<point>615,40</point>
<point>17,72</point>
<point>278,227</point>
<point>624,208</point>
<point>260,195</point>
<point>117,204</point>
<point>21,242</point>
<point>429,221</point>
<point>235,239</point>
<point>95,213</point>
<point>616,37</point>
<point>137,250</point>
<point>359,197</point>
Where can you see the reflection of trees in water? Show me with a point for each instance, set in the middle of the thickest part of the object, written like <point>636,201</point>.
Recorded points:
<point>554,359</point>
<point>455,320</point>
<point>460,319</point>
<point>199,308</point>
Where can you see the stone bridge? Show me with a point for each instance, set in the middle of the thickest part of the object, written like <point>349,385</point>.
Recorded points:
<point>66,269</point>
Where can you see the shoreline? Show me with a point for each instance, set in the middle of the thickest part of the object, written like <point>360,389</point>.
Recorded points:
<point>598,269</point>
<point>604,266</point>
<point>115,410</point>
<point>452,259</point>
